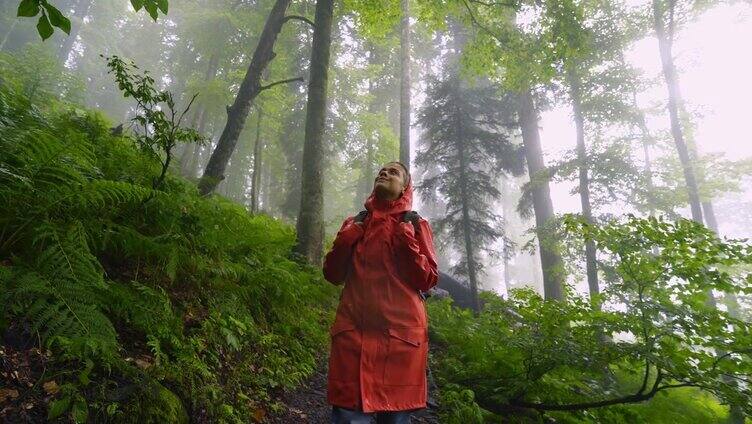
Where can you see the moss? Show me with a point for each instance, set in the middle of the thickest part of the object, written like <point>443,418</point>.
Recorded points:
<point>156,404</point>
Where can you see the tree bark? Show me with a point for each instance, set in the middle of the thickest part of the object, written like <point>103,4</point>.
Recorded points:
<point>551,263</point>
<point>255,177</point>
<point>249,90</point>
<point>584,181</point>
<point>466,225</point>
<point>310,224</point>
<point>506,254</point>
<point>669,73</point>
<point>405,109</point>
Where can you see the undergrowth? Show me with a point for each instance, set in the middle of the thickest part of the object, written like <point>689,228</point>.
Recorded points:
<point>155,304</point>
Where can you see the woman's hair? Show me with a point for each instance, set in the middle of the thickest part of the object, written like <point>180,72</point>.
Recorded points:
<point>404,168</point>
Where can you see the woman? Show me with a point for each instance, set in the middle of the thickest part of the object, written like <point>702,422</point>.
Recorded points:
<point>379,348</point>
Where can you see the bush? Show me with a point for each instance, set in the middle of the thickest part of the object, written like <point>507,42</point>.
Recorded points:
<point>652,331</point>
<point>144,294</point>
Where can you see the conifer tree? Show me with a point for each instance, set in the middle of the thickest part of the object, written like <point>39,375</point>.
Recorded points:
<point>466,141</point>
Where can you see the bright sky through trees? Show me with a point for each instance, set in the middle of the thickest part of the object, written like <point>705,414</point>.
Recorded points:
<point>714,68</point>
<point>714,63</point>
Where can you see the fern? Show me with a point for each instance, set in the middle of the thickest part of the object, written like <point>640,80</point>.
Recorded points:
<point>63,293</point>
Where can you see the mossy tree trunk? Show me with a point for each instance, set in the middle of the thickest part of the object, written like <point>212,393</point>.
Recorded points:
<point>551,263</point>
<point>591,265</point>
<point>249,90</point>
<point>310,224</point>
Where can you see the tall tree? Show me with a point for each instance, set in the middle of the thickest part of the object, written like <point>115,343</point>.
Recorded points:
<point>405,109</point>
<point>584,180</point>
<point>249,89</point>
<point>516,62</point>
<point>199,118</point>
<point>467,140</point>
<point>310,224</point>
<point>664,31</point>
<point>551,263</point>
<point>586,44</point>
<point>256,172</point>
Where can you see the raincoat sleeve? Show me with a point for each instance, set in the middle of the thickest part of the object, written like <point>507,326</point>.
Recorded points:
<point>337,261</point>
<point>416,255</point>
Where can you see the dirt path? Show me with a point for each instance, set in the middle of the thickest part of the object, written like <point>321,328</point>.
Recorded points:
<point>307,404</point>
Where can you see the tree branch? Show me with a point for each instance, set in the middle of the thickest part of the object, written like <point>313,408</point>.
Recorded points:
<point>634,398</point>
<point>187,108</point>
<point>298,18</point>
<point>266,87</point>
<point>494,3</point>
<point>497,37</point>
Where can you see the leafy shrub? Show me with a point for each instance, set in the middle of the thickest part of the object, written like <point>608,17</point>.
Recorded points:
<point>141,300</point>
<point>652,330</point>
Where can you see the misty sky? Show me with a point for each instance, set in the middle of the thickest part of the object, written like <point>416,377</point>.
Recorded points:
<point>715,74</point>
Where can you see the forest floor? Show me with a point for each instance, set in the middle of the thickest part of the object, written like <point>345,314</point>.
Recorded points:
<point>307,403</point>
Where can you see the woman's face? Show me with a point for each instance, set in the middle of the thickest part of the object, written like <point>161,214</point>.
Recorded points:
<point>390,181</point>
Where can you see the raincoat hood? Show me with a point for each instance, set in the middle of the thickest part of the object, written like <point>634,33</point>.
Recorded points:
<point>402,204</point>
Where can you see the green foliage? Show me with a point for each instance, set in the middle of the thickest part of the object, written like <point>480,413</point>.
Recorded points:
<point>161,129</point>
<point>48,81</point>
<point>651,336</point>
<point>134,297</point>
<point>467,146</point>
<point>50,16</point>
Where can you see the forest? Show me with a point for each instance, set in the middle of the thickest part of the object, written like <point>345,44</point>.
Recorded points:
<point>172,174</point>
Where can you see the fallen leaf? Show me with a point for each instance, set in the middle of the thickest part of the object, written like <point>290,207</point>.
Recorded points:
<point>51,387</point>
<point>143,364</point>
<point>8,394</point>
<point>258,415</point>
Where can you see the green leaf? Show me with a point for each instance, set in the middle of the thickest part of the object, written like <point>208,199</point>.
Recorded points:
<point>57,19</point>
<point>151,7</point>
<point>137,4</point>
<point>162,5</point>
<point>80,410</point>
<point>44,28</point>
<point>58,407</point>
<point>28,8</point>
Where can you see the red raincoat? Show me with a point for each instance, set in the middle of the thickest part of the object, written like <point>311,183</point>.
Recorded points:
<point>380,334</point>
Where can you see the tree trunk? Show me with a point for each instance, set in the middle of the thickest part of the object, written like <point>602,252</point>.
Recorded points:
<point>266,188</point>
<point>648,166</point>
<point>198,122</point>
<point>82,8</point>
<point>365,182</point>
<point>551,264</point>
<point>310,224</point>
<point>255,177</point>
<point>466,225</point>
<point>404,152</point>
<point>584,182</point>
<point>249,89</point>
<point>506,254</point>
<point>669,73</point>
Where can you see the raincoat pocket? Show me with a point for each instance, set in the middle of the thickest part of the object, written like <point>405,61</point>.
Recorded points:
<point>344,360</point>
<point>406,358</point>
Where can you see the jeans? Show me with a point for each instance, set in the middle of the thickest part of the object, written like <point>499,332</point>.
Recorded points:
<point>348,416</point>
